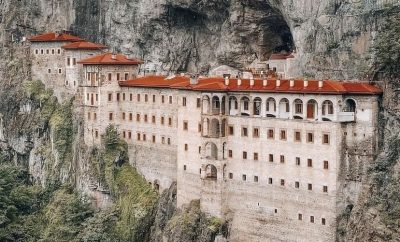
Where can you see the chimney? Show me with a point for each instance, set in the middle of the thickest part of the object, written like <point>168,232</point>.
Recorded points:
<point>113,56</point>
<point>226,81</point>
<point>265,82</point>
<point>194,79</point>
<point>291,83</point>
<point>305,83</point>
<point>278,83</point>
<point>239,82</point>
<point>251,81</point>
<point>320,84</point>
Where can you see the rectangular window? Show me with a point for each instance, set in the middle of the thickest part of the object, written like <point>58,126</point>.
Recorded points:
<point>255,178</point>
<point>297,136</point>
<point>323,221</point>
<point>300,216</point>
<point>325,139</point>
<point>282,182</point>
<point>96,134</point>
<point>123,116</point>
<point>256,133</point>
<point>94,116</point>
<point>138,117</point>
<point>145,118</point>
<point>138,136</point>
<point>326,165</point>
<point>118,76</point>
<point>244,155</point>
<point>74,61</point>
<point>297,184</point>
<point>153,138</point>
<point>198,103</point>
<point>144,137</point>
<point>230,153</point>
<point>162,99</point>
<point>184,167</point>
<point>88,115</point>
<point>310,137</point>
<point>118,96</point>
<point>244,132</point>
<point>270,134</point>
<point>163,140</point>
<point>49,71</point>
<point>271,158</point>
<point>126,76</point>
<point>309,162</point>
<point>153,119</point>
<point>270,180</point>
<point>154,98</point>
<point>146,98</point>
<point>129,135</point>
<point>123,96</point>
<point>255,156</point>
<point>184,101</point>
<point>325,189</point>
<point>230,175</point>
<point>170,99</point>
<point>138,97</point>
<point>231,130</point>
<point>199,149</point>
<point>130,116</point>
<point>130,97</point>
<point>59,51</point>
<point>124,134</point>
<point>109,76</point>
<point>244,177</point>
<point>283,134</point>
<point>186,147</point>
<point>170,121</point>
<point>59,70</point>
<point>162,120</point>
<point>185,125</point>
<point>110,97</point>
<point>282,159</point>
<point>169,141</point>
<point>297,161</point>
<point>68,61</point>
<point>199,128</point>
<point>312,219</point>
<point>309,186</point>
<point>110,116</point>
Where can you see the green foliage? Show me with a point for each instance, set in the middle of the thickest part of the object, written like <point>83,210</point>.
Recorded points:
<point>332,46</point>
<point>100,227</point>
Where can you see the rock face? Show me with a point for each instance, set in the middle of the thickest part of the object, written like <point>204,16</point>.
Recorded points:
<point>332,38</point>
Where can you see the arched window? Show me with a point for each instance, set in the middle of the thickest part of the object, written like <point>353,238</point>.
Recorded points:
<point>216,105</point>
<point>298,106</point>
<point>205,127</point>
<point>327,108</point>
<point>223,105</point>
<point>257,106</point>
<point>206,105</point>
<point>284,108</point>
<point>233,103</point>
<point>215,129</point>
<point>312,109</point>
<point>245,102</point>
<point>223,128</point>
<point>350,106</point>
<point>211,172</point>
<point>271,105</point>
<point>211,151</point>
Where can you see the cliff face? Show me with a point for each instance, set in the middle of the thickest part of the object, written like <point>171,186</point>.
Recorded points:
<point>332,39</point>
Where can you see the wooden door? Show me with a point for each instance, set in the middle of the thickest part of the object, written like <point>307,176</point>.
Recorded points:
<point>310,110</point>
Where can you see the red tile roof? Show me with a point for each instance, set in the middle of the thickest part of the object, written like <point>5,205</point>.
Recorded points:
<point>218,84</point>
<point>110,59</point>
<point>54,37</point>
<point>83,45</point>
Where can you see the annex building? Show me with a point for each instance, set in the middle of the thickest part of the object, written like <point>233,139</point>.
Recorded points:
<point>278,158</point>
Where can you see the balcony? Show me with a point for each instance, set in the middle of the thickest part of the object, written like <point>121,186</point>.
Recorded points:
<point>346,117</point>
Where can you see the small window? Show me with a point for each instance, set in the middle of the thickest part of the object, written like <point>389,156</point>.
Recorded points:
<point>163,140</point>
<point>199,128</point>
<point>170,121</point>
<point>123,116</point>
<point>300,216</point>
<point>244,155</point>
<point>326,165</point>
<point>185,125</point>
<point>230,153</point>
<point>110,116</point>
<point>138,136</point>
<point>271,158</point>
<point>309,186</point>
<point>283,135</point>
<point>298,161</point>
<point>59,51</point>
<point>282,159</point>
<point>129,135</point>
<point>162,99</point>
<point>68,61</point>
<point>88,115</point>
<point>255,178</point>
<point>49,71</point>
<point>47,51</point>
<point>123,96</point>
<point>146,98</point>
<point>325,139</point>
<point>184,101</point>
<point>153,138</point>
<point>138,117</point>
<point>162,120</point>
<point>94,116</point>
<point>126,76</point>
<point>124,134</point>
<point>256,133</point>
<point>145,118</point>
<point>36,51</point>
<point>41,51</point>
<point>96,134</point>
<point>130,97</point>
<point>325,189</point>
<point>230,175</point>
<point>153,119</point>
<point>312,219</point>
<point>170,99</point>
<point>169,141</point>
<point>270,134</point>
<point>309,162</point>
<point>310,137</point>
<point>138,97</point>
<point>154,98</point>
<point>110,97</point>
<point>255,156</point>
<point>53,51</point>
<point>118,76</point>
<point>244,177</point>
<point>59,70</point>
<point>199,149</point>
<point>270,180</point>
<point>198,103</point>
<point>109,76</point>
<point>282,182</point>
<point>231,130</point>
<point>130,116</point>
<point>297,184</point>
<point>184,167</point>
<point>297,136</point>
<point>244,132</point>
<point>186,147</point>
<point>323,221</point>
<point>144,137</point>
<point>74,61</point>
<point>118,96</point>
